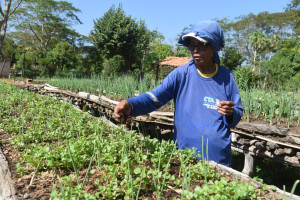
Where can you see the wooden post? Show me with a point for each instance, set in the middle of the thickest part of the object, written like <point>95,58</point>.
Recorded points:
<point>7,188</point>
<point>2,68</point>
<point>142,70</point>
<point>23,65</point>
<point>249,165</point>
<point>156,78</point>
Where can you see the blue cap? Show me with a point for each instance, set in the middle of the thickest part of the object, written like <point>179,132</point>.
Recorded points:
<point>209,31</point>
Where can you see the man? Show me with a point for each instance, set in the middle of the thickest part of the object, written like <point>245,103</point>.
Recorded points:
<point>207,100</point>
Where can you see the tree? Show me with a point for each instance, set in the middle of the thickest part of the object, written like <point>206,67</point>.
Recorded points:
<point>181,51</point>
<point>5,15</point>
<point>258,43</point>
<point>9,49</point>
<point>63,57</point>
<point>281,24</point>
<point>282,67</point>
<point>157,52</point>
<point>41,24</point>
<point>295,4</point>
<point>118,34</point>
<point>246,78</point>
<point>231,58</point>
<point>47,22</point>
<point>92,60</point>
<point>294,7</point>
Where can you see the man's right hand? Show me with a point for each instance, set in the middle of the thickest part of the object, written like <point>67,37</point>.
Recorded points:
<point>122,112</point>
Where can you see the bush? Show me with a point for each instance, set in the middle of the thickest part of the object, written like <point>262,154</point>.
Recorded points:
<point>282,69</point>
<point>246,78</point>
<point>113,66</point>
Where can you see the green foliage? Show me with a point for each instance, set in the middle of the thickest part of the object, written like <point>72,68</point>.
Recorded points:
<point>295,4</point>
<point>113,65</point>
<point>231,58</point>
<point>282,69</point>
<point>266,31</point>
<point>46,22</point>
<point>181,51</point>
<point>112,86</point>
<point>246,78</point>
<point>91,60</point>
<point>285,174</point>
<point>296,80</point>
<point>259,44</point>
<point>63,57</point>
<point>259,103</point>
<point>41,26</point>
<point>118,34</point>
<point>157,51</point>
<point>9,49</point>
<point>272,104</point>
<point>118,164</point>
<point>47,69</point>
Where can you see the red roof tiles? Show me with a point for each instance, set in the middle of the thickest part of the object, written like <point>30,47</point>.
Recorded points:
<point>173,61</point>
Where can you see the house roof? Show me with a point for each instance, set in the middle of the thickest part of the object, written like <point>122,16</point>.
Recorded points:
<point>173,61</point>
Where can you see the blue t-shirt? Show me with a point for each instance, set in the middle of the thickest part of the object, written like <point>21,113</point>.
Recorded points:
<point>196,117</point>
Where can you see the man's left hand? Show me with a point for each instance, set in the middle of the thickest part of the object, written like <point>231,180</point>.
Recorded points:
<point>226,108</point>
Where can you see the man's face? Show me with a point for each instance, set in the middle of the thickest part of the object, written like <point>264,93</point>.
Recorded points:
<point>202,53</point>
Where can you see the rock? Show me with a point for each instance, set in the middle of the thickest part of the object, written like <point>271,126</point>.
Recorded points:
<point>244,141</point>
<point>262,129</point>
<point>279,131</point>
<point>288,151</point>
<point>293,140</point>
<point>234,137</point>
<point>260,145</point>
<point>252,142</point>
<point>271,146</point>
<point>292,159</point>
<point>279,152</point>
<point>26,196</point>
<point>166,131</point>
<point>252,148</point>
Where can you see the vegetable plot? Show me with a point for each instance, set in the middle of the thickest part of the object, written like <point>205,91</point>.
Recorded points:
<point>87,159</point>
<point>271,106</point>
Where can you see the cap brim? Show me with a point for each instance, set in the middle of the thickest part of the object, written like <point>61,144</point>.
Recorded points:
<point>192,35</point>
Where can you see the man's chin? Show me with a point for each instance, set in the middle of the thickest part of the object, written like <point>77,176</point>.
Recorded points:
<point>198,60</point>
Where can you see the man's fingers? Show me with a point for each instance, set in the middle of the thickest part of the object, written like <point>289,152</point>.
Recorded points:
<point>226,108</point>
<point>122,111</point>
<point>225,112</point>
<point>226,103</point>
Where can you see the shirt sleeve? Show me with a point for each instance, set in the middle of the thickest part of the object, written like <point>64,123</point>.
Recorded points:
<point>238,108</point>
<point>152,100</point>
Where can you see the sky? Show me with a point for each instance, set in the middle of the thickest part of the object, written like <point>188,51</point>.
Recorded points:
<point>169,17</point>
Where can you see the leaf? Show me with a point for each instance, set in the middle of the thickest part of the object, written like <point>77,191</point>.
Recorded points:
<point>137,170</point>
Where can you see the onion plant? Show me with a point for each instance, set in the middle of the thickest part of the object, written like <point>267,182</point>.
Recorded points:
<point>280,107</point>
<point>272,108</point>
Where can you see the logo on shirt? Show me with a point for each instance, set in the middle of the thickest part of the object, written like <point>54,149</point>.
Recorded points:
<point>210,102</point>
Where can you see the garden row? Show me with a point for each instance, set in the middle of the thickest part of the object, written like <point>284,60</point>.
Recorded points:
<point>272,106</point>
<point>267,141</point>
<point>87,159</point>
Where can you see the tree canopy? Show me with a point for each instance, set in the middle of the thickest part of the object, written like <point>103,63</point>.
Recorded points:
<point>10,7</point>
<point>118,34</point>
<point>46,22</point>
<point>260,49</point>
